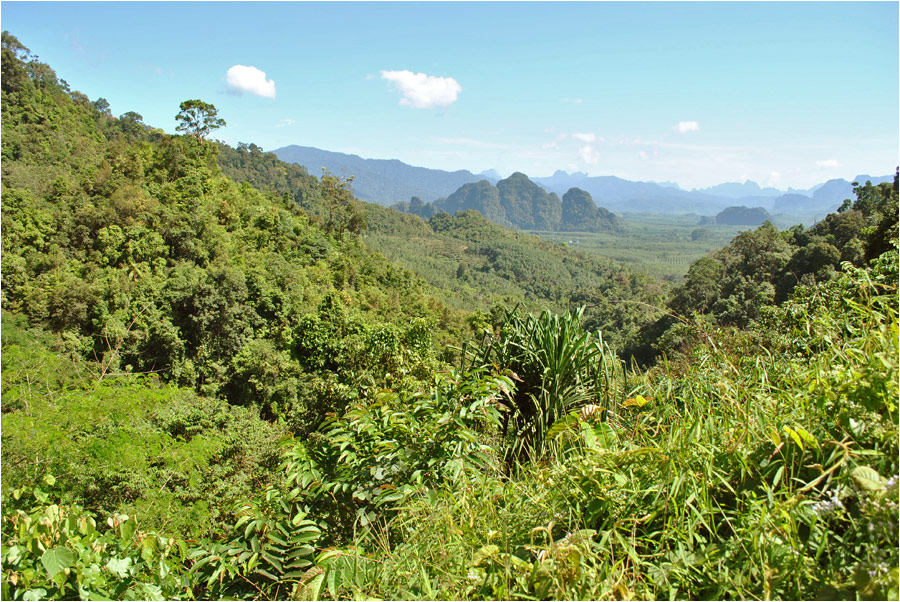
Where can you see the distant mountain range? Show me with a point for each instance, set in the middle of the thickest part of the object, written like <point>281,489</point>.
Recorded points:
<point>621,195</point>
<point>382,181</point>
<point>388,182</point>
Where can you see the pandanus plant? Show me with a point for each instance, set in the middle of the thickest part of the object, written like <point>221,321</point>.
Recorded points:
<point>558,368</point>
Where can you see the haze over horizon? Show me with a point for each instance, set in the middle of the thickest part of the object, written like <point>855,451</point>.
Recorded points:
<point>784,94</point>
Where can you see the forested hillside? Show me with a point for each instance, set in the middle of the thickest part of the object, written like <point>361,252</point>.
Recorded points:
<point>222,380</point>
<point>477,265</point>
<point>763,267</point>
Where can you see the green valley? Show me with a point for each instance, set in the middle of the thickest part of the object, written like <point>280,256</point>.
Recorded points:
<point>225,377</point>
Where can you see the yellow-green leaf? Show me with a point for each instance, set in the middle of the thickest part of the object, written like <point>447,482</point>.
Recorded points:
<point>867,478</point>
<point>484,553</point>
<point>793,434</point>
<point>636,401</point>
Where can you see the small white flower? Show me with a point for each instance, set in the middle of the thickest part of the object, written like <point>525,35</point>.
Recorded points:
<point>828,506</point>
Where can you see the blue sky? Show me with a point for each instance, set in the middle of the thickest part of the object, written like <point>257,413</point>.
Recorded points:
<point>786,94</point>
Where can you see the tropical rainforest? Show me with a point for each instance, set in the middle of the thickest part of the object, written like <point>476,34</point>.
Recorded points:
<point>226,378</point>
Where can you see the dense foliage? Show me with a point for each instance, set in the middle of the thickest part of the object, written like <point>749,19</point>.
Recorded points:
<point>763,267</point>
<point>214,389</point>
<point>477,265</point>
<point>143,255</point>
<point>263,171</point>
<point>126,444</point>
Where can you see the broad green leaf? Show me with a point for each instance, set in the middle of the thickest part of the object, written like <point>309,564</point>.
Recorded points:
<point>153,592</point>
<point>313,589</point>
<point>41,496</point>
<point>86,525</point>
<point>13,555</point>
<point>35,594</point>
<point>57,559</point>
<point>119,566</point>
<point>148,547</point>
<point>867,478</point>
<point>127,529</point>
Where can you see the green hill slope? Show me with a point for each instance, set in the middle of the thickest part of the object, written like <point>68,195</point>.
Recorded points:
<point>142,254</point>
<point>473,263</point>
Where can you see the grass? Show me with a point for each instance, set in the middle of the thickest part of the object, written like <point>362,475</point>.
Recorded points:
<point>761,472</point>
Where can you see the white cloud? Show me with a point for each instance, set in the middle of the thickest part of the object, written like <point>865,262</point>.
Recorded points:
<point>687,126</point>
<point>585,137</point>
<point>589,154</point>
<point>576,101</point>
<point>250,79</point>
<point>286,122</point>
<point>643,155</point>
<point>424,91</point>
<point>828,163</point>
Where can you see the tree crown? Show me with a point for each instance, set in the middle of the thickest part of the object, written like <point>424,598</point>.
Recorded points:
<point>198,118</point>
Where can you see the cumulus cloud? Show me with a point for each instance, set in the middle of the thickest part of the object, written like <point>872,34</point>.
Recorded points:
<point>687,126</point>
<point>286,122</point>
<point>423,91</point>
<point>585,137</point>
<point>241,78</point>
<point>828,163</point>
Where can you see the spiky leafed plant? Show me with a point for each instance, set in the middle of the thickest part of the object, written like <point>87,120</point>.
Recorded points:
<point>558,368</point>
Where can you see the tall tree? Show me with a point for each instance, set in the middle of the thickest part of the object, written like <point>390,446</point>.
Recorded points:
<point>341,210</point>
<point>198,118</point>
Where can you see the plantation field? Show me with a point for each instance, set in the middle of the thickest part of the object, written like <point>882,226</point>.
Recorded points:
<point>661,245</point>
